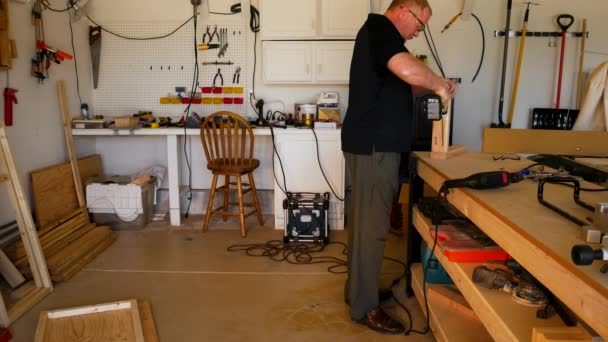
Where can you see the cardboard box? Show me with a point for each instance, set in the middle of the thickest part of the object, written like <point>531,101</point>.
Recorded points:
<point>126,122</point>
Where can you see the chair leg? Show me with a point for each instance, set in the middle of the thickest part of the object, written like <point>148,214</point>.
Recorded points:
<point>256,201</point>
<point>210,205</point>
<point>227,184</point>
<point>241,209</point>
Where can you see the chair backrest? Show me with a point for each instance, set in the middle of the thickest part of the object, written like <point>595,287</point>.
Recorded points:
<point>228,138</point>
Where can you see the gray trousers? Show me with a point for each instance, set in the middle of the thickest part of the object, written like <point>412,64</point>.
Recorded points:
<point>375,184</point>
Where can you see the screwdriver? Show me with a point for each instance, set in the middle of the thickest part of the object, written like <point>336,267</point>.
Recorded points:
<point>203,47</point>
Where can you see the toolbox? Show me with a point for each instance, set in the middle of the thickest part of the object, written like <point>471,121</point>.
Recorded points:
<point>306,218</point>
<point>462,241</point>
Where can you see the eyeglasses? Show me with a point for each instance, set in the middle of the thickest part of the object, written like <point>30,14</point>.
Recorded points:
<point>422,25</point>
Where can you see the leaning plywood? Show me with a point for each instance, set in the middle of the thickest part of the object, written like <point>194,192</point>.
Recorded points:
<point>118,321</point>
<point>54,190</point>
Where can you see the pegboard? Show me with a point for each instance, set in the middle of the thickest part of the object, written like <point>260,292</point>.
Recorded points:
<point>135,74</point>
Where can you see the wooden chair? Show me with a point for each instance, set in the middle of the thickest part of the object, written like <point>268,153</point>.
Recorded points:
<point>228,143</point>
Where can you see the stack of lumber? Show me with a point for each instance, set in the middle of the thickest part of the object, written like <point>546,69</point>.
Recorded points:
<point>68,239</point>
<point>67,247</point>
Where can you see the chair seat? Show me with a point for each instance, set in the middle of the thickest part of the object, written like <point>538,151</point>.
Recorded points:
<point>225,165</point>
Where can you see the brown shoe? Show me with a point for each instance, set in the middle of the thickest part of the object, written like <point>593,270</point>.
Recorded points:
<point>380,321</point>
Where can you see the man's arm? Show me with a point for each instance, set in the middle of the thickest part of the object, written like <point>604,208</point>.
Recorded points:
<point>411,70</point>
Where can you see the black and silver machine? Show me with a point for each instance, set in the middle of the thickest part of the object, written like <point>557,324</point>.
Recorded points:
<point>306,217</point>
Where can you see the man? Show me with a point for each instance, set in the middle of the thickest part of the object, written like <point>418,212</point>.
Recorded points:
<point>384,77</point>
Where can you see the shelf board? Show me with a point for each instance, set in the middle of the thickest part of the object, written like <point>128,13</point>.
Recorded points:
<point>504,319</point>
<point>447,323</point>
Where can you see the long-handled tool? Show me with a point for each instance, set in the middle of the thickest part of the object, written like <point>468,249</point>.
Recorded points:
<point>564,28</point>
<point>580,66</point>
<point>95,46</point>
<point>501,123</point>
<point>520,57</point>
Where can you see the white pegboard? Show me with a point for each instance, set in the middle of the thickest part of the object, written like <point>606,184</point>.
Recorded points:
<point>135,74</point>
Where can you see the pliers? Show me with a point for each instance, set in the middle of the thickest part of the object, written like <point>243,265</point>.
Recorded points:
<point>210,35</point>
<point>219,73</point>
<point>237,76</point>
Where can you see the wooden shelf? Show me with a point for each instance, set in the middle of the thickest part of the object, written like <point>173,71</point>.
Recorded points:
<point>504,319</point>
<point>447,323</point>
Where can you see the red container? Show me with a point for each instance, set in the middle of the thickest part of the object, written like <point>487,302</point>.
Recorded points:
<point>238,100</point>
<point>206,90</point>
<point>196,101</point>
<point>185,100</point>
<point>228,100</point>
<point>217,90</point>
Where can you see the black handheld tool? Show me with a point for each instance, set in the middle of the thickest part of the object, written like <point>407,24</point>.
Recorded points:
<point>431,105</point>
<point>483,180</point>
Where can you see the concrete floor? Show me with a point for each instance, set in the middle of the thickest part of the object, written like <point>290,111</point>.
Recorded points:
<point>201,292</point>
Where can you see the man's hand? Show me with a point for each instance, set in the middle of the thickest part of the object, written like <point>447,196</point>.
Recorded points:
<point>447,93</point>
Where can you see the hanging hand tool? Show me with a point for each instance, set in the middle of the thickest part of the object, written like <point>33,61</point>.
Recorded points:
<point>501,123</point>
<point>95,46</point>
<point>519,60</point>
<point>210,35</point>
<point>204,47</point>
<point>9,99</point>
<point>237,76</point>
<point>223,42</point>
<point>564,28</point>
<point>580,67</point>
<point>218,63</point>
<point>218,74</point>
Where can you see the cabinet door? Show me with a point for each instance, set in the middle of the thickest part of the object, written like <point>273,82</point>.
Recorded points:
<point>298,153</point>
<point>287,62</point>
<point>281,19</point>
<point>332,61</point>
<point>343,18</point>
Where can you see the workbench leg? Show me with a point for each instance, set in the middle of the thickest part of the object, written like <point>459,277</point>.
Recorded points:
<point>173,175</point>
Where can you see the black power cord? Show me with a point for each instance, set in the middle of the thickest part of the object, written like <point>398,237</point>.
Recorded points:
<point>142,38</point>
<point>74,53</point>
<point>321,167</point>
<point>483,40</point>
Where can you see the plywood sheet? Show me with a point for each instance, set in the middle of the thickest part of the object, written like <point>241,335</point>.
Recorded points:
<point>54,191</point>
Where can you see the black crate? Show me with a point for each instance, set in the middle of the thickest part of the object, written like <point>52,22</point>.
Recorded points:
<point>306,217</point>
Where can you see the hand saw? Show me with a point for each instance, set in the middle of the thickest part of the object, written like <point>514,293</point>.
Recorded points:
<point>95,46</point>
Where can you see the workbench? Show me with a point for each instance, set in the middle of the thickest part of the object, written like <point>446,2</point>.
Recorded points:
<point>296,147</point>
<point>538,238</point>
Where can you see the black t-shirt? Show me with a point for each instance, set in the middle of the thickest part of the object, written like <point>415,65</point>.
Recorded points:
<point>380,105</point>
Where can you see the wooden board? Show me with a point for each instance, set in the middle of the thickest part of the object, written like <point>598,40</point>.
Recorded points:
<point>77,249</point>
<point>5,43</point>
<point>538,238</point>
<point>105,322</point>
<point>538,141</point>
<point>54,191</point>
<point>68,272</point>
<point>447,323</point>
<point>147,322</point>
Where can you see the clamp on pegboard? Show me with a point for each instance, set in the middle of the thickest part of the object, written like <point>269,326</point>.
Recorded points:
<point>513,34</point>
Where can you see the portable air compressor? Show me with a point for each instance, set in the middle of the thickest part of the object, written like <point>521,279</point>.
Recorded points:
<point>306,217</point>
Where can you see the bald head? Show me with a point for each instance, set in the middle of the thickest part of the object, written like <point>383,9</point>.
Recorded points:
<point>420,3</point>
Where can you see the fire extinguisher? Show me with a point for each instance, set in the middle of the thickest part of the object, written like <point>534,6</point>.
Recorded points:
<point>9,99</point>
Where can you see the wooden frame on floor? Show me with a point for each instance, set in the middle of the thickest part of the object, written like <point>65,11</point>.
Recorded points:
<point>29,236</point>
<point>121,320</point>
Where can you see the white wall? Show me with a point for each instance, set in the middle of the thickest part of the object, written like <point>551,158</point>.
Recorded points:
<point>37,135</point>
<point>459,47</point>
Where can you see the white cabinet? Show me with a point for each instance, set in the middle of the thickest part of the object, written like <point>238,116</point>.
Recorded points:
<point>342,18</point>
<point>287,62</point>
<point>307,61</point>
<point>297,19</point>
<point>298,152</point>
<point>281,19</point>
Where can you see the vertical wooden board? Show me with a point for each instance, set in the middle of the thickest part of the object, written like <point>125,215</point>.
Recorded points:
<point>54,191</point>
<point>147,322</point>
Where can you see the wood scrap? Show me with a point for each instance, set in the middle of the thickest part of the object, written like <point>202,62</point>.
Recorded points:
<point>73,269</point>
<point>22,291</point>
<point>13,277</point>
<point>452,297</point>
<point>147,322</point>
<point>77,248</point>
